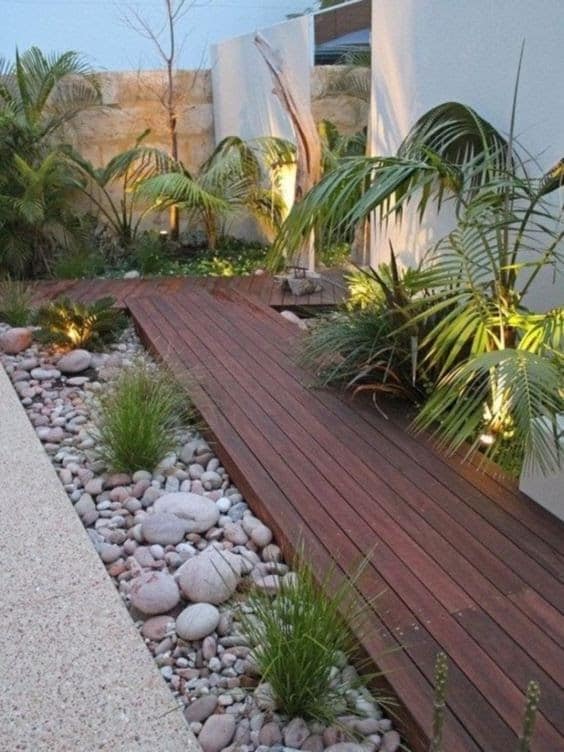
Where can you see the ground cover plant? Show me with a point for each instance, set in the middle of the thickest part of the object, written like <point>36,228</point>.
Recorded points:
<point>139,418</point>
<point>70,324</point>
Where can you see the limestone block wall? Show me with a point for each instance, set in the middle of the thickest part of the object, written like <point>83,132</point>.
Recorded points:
<point>134,105</point>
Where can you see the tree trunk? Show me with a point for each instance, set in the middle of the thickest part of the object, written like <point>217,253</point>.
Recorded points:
<point>174,219</point>
<point>308,145</point>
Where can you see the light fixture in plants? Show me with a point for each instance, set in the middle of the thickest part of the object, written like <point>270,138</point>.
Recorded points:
<point>70,324</point>
<point>300,636</point>
<point>139,417</point>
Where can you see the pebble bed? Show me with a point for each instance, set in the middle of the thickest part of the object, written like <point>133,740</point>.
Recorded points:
<point>183,548</point>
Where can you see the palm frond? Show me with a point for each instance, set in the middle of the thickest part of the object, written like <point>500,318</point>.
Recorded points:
<point>510,395</point>
<point>180,188</point>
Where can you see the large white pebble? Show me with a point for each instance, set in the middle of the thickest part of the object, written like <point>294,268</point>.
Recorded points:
<point>163,528</point>
<point>199,512</point>
<point>197,621</point>
<point>154,592</point>
<point>210,577</point>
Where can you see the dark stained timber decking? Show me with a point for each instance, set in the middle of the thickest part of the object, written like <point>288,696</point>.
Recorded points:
<point>461,561</point>
<point>261,287</point>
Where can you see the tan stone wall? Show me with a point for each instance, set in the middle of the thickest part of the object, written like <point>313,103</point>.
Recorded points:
<point>134,106</point>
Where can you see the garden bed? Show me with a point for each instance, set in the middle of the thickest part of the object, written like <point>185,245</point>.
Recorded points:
<point>186,554</point>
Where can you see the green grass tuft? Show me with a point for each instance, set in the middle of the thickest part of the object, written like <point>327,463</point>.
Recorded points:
<point>139,418</point>
<point>299,637</point>
<point>15,303</point>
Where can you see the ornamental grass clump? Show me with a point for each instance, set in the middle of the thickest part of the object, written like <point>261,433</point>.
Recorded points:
<point>301,639</point>
<point>15,303</point>
<point>139,418</point>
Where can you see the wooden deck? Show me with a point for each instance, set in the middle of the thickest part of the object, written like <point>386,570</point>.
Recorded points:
<point>264,288</point>
<point>462,561</point>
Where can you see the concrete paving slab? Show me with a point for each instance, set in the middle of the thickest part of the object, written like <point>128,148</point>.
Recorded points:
<point>74,673</point>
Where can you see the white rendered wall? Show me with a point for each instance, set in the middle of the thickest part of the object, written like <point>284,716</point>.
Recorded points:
<point>244,102</point>
<point>425,52</point>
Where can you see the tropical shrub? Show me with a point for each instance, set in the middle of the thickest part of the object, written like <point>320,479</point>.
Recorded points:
<point>497,367</point>
<point>373,345</point>
<point>239,177</point>
<point>15,303</point>
<point>299,636</point>
<point>139,417</point>
<point>69,324</point>
<point>39,95</point>
<point>123,213</point>
<point>149,255</point>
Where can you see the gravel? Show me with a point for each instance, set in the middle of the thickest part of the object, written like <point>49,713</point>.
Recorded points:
<point>183,547</point>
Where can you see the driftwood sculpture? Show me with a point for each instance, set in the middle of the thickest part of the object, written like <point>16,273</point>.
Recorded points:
<point>308,145</point>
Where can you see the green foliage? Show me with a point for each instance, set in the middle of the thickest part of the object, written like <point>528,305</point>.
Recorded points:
<point>139,418</point>
<point>493,368</point>
<point>15,303</point>
<point>373,345</point>
<point>529,718</point>
<point>439,702</point>
<point>335,254</point>
<point>450,151</point>
<point>507,400</point>
<point>149,255</point>
<point>239,177</point>
<point>299,636</point>
<point>232,258</point>
<point>78,263</point>
<point>39,95</point>
<point>74,325</point>
<point>123,214</point>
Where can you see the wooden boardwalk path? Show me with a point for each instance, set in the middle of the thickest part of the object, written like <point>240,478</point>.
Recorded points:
<point>262,287</point>
<point>462,561</point>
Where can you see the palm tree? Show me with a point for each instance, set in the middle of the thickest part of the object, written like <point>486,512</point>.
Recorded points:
<point>122,214</point>
<point>39,95</point>
<point>500,366</point>
<point>239,177</point>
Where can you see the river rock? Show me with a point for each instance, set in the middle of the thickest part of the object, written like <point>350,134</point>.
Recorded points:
<point>210,577</point>
<point>261,535</point>
<point>199,512</point>
<point>217,732</point>
<point>74,361</point>
<point>314,743</point>
<point>201,709</point>
<point>154,592</point>
<point>295,733</point>
<point>197,621</point>
<point>157,627</point>
<point>163,528</point>
<point>391,741</point>
<point>15,340</point>
<point>270,734</point>
<point>45,374</point>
